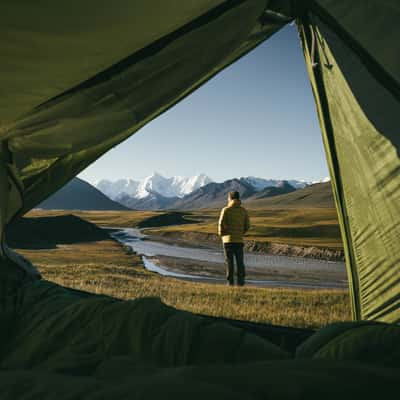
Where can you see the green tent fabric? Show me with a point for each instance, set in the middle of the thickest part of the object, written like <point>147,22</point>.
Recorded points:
<point>354,71</point>
<point>77,113</point>
<point>79,77</point>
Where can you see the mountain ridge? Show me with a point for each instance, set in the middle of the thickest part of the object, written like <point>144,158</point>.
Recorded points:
<point>316,195</point>
<point>78,194</point>
<point>271,191</point>
<point>126,190</point>
<point>214,194</point>
<point>175,186</point>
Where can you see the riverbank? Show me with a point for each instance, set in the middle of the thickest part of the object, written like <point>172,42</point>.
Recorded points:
<point>188,238</point>
<point>212,273</point>
<point>311,233</point>
<point>202,263</point>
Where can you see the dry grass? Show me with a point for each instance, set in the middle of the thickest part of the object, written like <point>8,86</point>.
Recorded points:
<point>101,218</point>
<point>304,227</point>
<point>103,267</point>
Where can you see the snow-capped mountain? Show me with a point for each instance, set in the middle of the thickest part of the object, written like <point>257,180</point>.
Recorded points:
<point>261,183</point>
<point>175,186</point>
<point>114,189</point>
<point>153,201</point>
<point>213,194</point>
<point>159,192</point>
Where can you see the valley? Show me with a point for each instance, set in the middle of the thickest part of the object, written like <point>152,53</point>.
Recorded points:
<point>294,239</point>
<point>93,262</point>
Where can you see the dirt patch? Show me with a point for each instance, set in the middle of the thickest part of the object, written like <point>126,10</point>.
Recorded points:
<point>296,251</point>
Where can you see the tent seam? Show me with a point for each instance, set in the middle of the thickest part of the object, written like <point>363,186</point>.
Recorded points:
<point>366,58</point>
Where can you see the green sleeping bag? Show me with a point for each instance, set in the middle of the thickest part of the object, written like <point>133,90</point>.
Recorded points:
<point>66,344</point>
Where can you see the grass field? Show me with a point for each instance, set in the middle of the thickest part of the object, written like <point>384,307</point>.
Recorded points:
<point>102,218</point>
<point>104,267</point>
<point>304,227</point>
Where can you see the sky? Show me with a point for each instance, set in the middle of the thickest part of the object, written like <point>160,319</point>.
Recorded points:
<point>255,118</point>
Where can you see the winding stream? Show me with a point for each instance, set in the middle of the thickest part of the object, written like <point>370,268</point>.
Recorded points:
<point>150,249</point>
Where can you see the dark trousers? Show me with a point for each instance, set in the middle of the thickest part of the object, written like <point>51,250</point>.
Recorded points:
<point>234,251</point>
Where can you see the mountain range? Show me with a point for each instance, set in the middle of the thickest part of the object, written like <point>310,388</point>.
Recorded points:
<point>159,193</point>
<point>176,186</point>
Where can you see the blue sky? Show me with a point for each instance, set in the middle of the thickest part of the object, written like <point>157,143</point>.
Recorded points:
<point>255,118</point>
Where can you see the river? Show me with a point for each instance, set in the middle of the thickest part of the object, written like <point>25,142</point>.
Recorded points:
<point>259,266</point>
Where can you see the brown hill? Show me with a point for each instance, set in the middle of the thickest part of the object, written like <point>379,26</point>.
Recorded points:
<point>315,196</point>
<point>48,232</point>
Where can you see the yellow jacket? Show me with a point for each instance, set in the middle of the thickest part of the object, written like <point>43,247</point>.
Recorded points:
<point>233,222</point>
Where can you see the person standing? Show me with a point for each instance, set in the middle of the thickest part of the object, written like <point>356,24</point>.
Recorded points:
<point>233,224</point>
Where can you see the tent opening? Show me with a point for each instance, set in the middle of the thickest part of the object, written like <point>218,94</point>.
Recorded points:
<point>253,129</point>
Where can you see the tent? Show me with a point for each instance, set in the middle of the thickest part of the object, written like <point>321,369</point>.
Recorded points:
<point>79,77</point>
